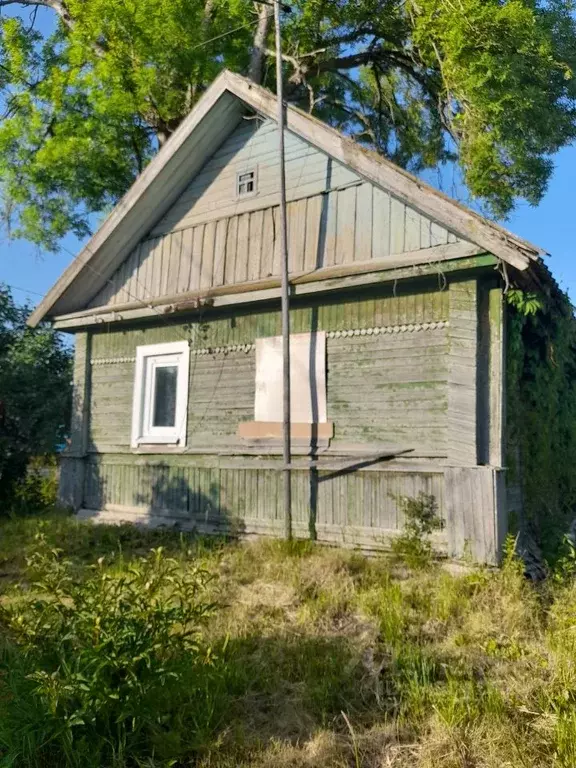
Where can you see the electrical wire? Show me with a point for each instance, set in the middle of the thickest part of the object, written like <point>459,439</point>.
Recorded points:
<point>17,288</point>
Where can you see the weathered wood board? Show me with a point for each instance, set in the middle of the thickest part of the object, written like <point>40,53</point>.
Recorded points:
<point>386,360</point>
<point>212,238</point>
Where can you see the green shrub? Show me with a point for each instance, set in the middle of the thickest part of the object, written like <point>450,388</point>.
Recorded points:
<point>421,519</point>
<point>37,491</point>
<point>105,671</point>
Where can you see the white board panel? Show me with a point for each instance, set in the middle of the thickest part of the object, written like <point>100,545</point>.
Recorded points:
<point>307,378</point>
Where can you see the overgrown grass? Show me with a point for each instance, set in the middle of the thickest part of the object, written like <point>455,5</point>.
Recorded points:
<point>312,657</point>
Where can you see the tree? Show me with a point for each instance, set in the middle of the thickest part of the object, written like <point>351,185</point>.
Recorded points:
<point>486,83</point>
<point>35,392</point>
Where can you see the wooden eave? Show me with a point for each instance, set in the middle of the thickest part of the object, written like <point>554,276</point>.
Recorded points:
<point>206,127</point>
<point>325,281</point>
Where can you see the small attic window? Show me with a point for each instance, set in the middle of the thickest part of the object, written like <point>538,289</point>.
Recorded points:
<point>246,184</point>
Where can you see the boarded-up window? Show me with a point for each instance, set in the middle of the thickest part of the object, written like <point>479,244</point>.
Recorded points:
<point>307,378</point>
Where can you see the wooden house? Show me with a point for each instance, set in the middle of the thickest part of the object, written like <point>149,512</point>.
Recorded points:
<point>398,355</point>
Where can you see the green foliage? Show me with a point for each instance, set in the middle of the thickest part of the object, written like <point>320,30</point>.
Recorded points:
<point>421,519</point>
<point>541,412</point>
<point>37,491</point>
<point>98,666</point>
<point>35,395</point>
<point>91,91</point>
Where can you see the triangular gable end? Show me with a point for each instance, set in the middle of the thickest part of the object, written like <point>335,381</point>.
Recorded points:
<point>212,238</point>
<point>113,257</point>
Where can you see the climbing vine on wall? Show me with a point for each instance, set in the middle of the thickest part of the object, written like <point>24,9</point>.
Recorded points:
<point>541,415</point>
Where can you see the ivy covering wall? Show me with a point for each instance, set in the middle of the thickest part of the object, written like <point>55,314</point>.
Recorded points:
<point>541,414</point>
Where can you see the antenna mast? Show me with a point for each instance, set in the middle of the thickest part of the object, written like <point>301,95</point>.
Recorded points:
<point>286,437</point>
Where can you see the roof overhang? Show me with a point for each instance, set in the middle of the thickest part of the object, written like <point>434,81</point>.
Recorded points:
<point>210,122</point>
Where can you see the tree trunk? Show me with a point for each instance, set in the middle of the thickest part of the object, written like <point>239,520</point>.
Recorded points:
<point>255,72</point>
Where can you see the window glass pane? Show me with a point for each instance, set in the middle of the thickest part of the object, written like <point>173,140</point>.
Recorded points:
<point>165,382</point>
<point>246,183</point>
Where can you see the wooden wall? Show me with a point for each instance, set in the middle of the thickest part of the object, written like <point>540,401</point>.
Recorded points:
<point>210,238</point>
<point>358,508</point>
<point>402,372</point>
<point>387,386</point>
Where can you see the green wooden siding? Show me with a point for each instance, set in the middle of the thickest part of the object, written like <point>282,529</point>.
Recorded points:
<point>387,388</point>
<point>247,498</point>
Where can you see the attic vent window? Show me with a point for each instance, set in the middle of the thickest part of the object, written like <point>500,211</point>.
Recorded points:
<point>246,184</point>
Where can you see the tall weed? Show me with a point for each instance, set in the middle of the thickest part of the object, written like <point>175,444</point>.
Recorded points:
<point>98,669</point>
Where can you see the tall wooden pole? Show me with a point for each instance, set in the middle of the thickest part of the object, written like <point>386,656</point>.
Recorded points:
<point>286,441</point>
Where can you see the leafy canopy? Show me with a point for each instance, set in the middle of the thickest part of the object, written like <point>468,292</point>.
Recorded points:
<point>91,87</point>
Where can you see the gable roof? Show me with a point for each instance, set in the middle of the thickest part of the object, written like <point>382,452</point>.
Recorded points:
<point>213,118</point>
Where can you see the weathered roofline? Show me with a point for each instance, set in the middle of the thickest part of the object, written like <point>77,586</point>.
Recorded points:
<point>167,171</point>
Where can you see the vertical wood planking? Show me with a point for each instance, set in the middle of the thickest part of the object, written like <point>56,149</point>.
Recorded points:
<point>145,264</point>
<point>208,244</point>
<point>397,226</point>
<point>220,252</point>
<point>166,265</point>
<point>314,207</point>
<point>362,250</point>
<point>472,499</point>
<point>331,230</point>
<point>355,223</point>
<point>381,211</point>
<point>267,258</point>
<point>346,233</point>
<point>497,376</point>
<point>184,273</point>
<point>462,373</point>
<point>438,235</point>
<point>156,282</point>
<point>277,242</point>
<point>255,245</point>
<point>174,263</point>
<point>412,233</point>
<point>79,427</point>
<point>230,259</point>
<point>242,248</point>
<point>196,261</point>
<point>296,234</point>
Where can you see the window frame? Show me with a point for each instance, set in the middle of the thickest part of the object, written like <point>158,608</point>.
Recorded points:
<point>254,192</point>
<point>149,358</point>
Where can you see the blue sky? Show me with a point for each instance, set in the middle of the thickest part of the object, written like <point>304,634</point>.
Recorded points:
<point>551,225</point>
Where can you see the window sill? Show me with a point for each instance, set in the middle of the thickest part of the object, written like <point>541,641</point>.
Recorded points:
<point>158,448</point>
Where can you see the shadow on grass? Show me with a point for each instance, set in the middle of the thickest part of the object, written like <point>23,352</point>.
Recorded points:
<point>84,542</point>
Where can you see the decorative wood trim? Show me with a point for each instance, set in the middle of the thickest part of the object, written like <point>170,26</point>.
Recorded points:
<point>246,348</point>
<point>111,360</point>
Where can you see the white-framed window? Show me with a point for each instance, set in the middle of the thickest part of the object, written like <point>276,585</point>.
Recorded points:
<point>161,394</point>
<point>246,183</point>
<point>307,378</point>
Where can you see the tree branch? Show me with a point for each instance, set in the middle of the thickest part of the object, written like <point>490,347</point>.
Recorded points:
<point>56,5</point>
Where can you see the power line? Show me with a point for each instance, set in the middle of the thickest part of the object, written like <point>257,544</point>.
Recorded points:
<point>17,288</point>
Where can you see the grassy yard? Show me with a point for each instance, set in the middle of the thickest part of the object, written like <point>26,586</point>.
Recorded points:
<point>304,656</point>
